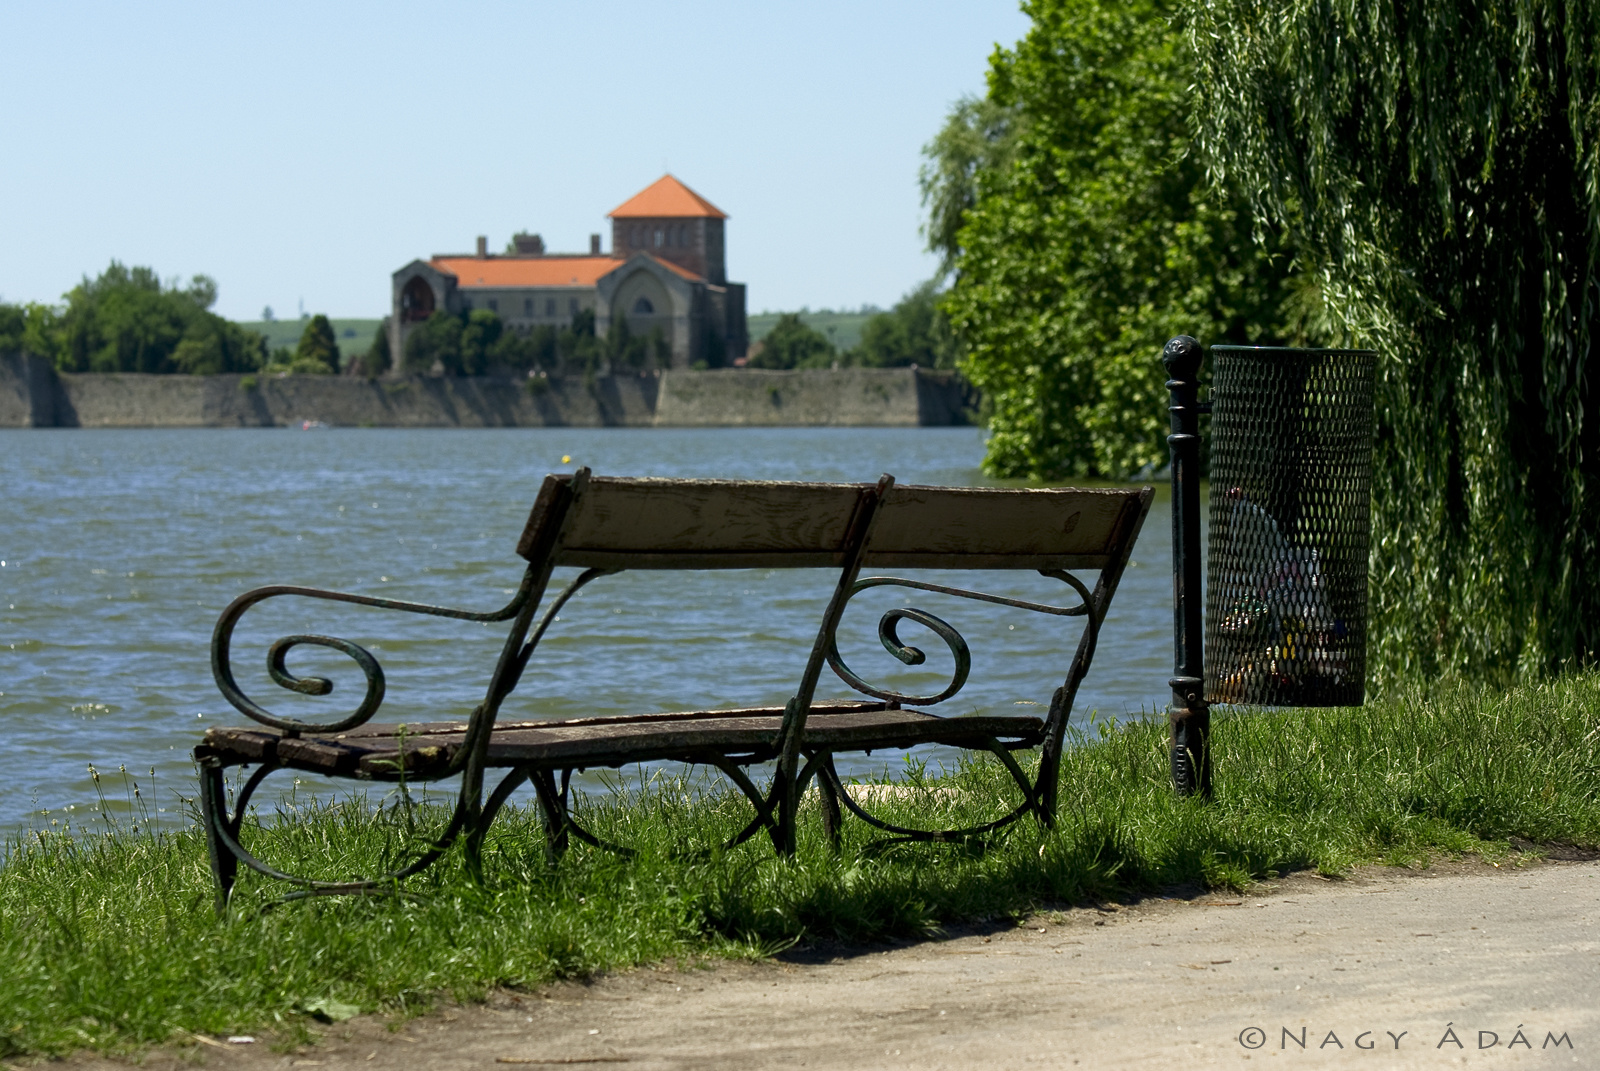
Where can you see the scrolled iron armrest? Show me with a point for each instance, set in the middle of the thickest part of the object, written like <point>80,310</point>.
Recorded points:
<point>888,632</point>
<point>278,653</point>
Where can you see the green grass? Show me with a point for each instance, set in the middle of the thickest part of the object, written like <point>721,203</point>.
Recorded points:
<point>109,940</point>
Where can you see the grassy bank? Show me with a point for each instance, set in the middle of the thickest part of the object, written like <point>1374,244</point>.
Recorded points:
<point>109,940</point>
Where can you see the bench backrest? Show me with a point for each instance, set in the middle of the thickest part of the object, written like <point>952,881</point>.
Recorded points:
<point>727,524</point>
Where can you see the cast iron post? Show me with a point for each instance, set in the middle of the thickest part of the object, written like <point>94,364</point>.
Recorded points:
<point>1188,714</point>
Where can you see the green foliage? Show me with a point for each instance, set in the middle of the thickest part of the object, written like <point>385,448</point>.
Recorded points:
<point>1092,239</point>
<point>477,342</point>
<point>1440,163</point>
<point>980,134</point>
<point>126,321</point>
<point>793,344</point>
<point>577,347</point>
<point>318,351</point>
<point>437,344</point>
<point>375,361</point>
<point>30,328</point>
<point>109,939</point>
<point>624,349</point>
<point>915,331</point>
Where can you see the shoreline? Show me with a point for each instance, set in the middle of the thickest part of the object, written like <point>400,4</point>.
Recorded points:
<point>35,395</point>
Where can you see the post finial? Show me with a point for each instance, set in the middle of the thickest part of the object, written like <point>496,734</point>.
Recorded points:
<point>1182,356</point>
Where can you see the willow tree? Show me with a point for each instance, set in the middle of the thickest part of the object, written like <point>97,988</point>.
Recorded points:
<point>1082,235</point>
<point>1439,160</point>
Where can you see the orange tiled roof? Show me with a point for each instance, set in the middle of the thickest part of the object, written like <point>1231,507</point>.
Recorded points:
<point>678,268</point>
<point>667,197</point>
<point>526,271</point>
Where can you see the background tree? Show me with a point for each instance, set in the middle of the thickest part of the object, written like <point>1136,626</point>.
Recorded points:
<point>1439,160</point>
<point>577,347</point>
<point>31,328</point>
<point>979,135</point>
<point>792,343</point>
<point>374,362</point>
<point>624,349</point>
<point>915,331</point>
<point>437,342</point>
<point>1091,238</point>
<point>318,350</point>
<point>127,321</point>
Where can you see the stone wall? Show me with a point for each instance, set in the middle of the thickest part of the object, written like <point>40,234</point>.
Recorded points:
<point>34,395</point>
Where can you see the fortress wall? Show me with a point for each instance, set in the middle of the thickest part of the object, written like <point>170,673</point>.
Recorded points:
<point>34,395</point>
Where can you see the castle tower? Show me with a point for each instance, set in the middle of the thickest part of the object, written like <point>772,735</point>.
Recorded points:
<point>670,221</point>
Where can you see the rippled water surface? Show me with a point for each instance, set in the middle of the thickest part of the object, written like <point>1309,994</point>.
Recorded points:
<point>119,548</point>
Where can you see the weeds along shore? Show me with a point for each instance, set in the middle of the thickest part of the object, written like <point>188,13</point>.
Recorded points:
<point>110,940</point>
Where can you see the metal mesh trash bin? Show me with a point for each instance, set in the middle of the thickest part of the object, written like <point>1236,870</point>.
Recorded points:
<point>1290,526</point>
<point>1285,621</point>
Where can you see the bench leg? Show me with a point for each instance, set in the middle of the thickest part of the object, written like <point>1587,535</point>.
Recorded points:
<point>553,805</point>
<point>1048,786</point>
<point>214,815</point>
<point>480,828</point>
<point>832,819</point>
<point>786,796</point>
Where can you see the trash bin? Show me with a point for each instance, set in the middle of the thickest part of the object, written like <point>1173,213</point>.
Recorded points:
<point>1290,526</point>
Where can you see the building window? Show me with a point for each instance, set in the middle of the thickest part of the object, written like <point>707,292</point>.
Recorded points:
<point>643,307</point>
<point>494,305</point>
<point>572,306</point>
<point>527,306</point>
<point>416,301</point>
<point>550,307</point>
<point>660,236</point>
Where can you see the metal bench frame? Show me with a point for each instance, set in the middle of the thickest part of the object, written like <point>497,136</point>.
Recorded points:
<point>801,755</point>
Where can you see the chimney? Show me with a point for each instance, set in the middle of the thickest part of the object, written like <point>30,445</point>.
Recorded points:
<point>594,245</point>
<point>483,245</point>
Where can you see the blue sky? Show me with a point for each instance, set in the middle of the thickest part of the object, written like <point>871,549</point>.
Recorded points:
<point>303,152</point>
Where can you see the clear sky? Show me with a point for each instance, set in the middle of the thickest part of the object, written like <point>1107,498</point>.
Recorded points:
<point>303,152</point>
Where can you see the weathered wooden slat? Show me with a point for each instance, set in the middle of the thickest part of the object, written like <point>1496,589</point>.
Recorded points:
<point>994,528</point>
<point>701,517</point>
<point>600,742</point>
<point>820,709</point>
<point>724,524</point>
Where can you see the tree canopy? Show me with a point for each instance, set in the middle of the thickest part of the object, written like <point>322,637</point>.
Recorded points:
<point>914,332</point>
<point>474,342</point>
<point>318,351</point>
<point>126,320</point>
<point>1438,162</point>
<point>792,343</point>
<point>1088,236</point>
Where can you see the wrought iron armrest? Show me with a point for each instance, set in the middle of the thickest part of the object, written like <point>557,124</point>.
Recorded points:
<point>888,632</point>
<point>277,654</point>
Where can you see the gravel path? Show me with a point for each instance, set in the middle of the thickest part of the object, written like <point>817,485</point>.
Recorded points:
<point>1385,969</point>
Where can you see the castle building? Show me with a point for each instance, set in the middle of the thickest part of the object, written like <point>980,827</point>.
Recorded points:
<point>667,269</point>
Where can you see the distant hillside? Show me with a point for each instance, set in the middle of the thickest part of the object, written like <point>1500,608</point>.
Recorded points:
<point>842,328</point>
<point>354,335</point>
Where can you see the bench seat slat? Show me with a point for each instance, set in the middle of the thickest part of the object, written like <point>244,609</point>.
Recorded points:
<point>374,754</point>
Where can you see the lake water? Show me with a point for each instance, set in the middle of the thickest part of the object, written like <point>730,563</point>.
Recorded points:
<point>118,549</point>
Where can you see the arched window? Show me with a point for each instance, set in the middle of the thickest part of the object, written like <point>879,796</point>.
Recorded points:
<point>416,300</point>
<point>643,307</point>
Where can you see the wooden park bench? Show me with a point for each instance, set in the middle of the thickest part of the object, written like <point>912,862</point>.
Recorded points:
<point>606,526</point>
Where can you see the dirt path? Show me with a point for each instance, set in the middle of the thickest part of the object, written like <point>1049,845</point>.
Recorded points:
<point>1163,983</point>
